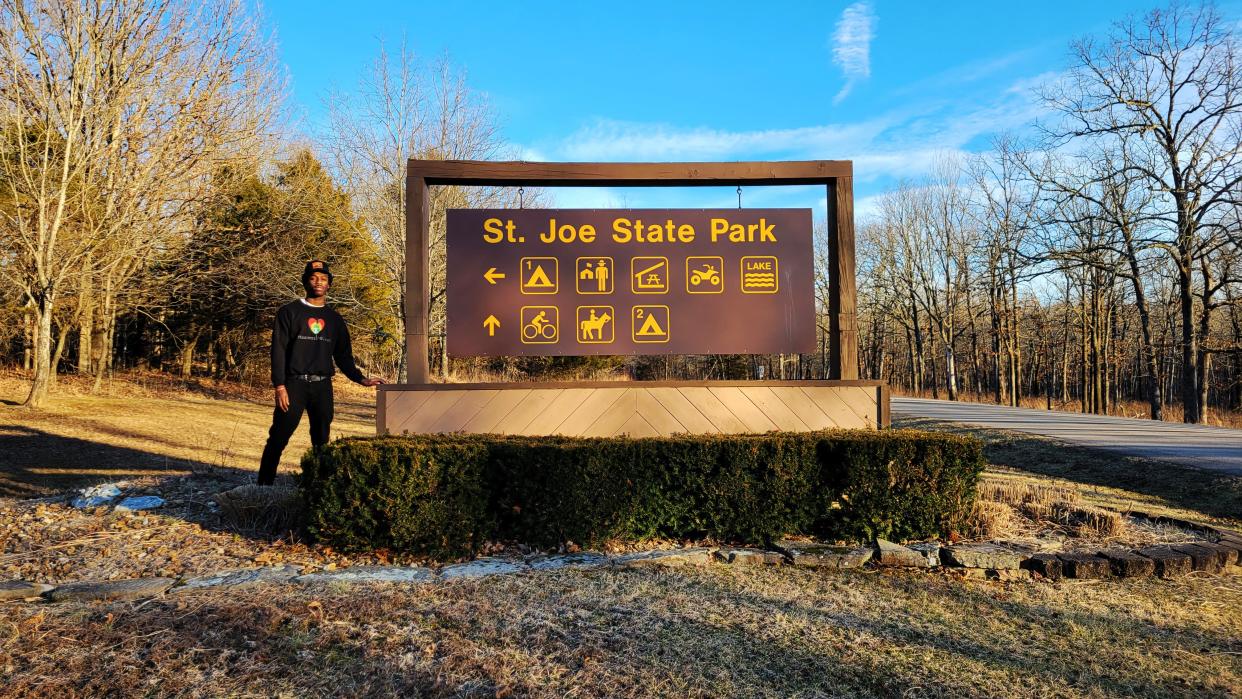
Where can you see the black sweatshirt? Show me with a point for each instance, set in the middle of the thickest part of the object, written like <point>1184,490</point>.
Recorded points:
<point>306,339</point>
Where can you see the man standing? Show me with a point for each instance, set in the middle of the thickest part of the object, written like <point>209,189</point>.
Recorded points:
<point>307,338</point>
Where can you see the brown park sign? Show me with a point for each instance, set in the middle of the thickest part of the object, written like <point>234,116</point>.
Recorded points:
<point>629,281</point>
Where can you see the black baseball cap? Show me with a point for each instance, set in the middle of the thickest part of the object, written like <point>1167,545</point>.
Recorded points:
<point>316,266</point>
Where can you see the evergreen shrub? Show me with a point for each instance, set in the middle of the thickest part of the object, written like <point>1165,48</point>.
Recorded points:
<point>447,495</point>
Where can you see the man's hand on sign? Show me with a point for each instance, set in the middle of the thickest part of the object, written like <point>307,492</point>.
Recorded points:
<point>373,381</point>
<point>282,399</point>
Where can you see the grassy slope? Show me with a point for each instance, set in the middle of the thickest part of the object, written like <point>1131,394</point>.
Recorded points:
<point>1107,479</point>
<point>716,631</point>
<point>132,430</point>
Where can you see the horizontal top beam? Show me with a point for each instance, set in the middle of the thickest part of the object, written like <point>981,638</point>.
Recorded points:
<point>515,173</point>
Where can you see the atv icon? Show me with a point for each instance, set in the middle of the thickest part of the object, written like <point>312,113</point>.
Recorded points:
<point>708,275</point>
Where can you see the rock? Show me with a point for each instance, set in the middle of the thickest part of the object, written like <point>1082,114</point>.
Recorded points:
<point>21,589</point>
<point>96,495</point>
<point>1084,566</point>
<point>1227,555</point>
<point>569,560</point>
<point>110,591</point>
<point>811,555</point>
<point>1127,564</point>
<point>1201,558</point>
<point>1046,565</point>
<point>1233,542</point>
<point>698,556</point>
<point>889,554</point>
<point>480,569</point>
<point>144,502</point>
<point>241,578</point>
<point>930,551</point>
<point>750,557</point>
<point>356,574</point>
<point>1168,563</point>
<point>982,556</point>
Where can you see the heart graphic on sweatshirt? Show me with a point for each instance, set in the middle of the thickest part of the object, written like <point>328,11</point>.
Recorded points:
<point>315,324</point>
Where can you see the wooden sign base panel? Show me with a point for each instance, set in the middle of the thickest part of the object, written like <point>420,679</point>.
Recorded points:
<point>635,409</point>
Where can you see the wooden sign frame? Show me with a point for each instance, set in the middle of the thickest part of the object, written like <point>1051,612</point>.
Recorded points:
<point>836,175</point>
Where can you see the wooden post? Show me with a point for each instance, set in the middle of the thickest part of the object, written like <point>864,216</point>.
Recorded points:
<point>417,277</point>
<point>843,352</point>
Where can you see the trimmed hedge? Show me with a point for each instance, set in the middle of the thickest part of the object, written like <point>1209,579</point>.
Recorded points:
<point>446,495</point>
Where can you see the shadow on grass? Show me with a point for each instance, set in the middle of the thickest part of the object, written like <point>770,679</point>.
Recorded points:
<point>1212,493</point>
<point>34,463</point>
<point>630,633</point>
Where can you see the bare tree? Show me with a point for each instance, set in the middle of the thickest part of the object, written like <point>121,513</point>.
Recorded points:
<point>1005,211</point>
<point>1166,89</point>
<point>402,109</point>
<point>112,113</point>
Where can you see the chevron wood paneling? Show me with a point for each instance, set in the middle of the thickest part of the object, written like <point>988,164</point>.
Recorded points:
<point>636,410</point>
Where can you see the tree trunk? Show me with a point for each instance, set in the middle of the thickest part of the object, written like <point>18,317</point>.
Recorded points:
<point>950,370</point>
<point>187,356</point>
<point>1155,398</point>
<point>86,319</point>
<point>61,336</point>
<point>44,305</point>
<point>998,377</point>
<point>1190,347</point>
<point>105,355</point>
<point>28,334</point>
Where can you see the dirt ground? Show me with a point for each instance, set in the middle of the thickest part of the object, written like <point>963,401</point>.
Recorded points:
<point>715,631</point>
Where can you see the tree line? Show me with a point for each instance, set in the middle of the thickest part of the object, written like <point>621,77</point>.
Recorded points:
<point>1098,263</point>
<point>155,208</point>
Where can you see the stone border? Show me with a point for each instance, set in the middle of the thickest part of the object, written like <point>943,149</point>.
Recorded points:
<point>986,561</point>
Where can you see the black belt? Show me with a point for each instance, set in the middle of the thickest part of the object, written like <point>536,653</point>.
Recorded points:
<point>310,377</point>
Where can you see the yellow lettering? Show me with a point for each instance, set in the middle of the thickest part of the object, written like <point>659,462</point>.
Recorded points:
<point>587,233</point>
<point>491,228</point>
<point>766,231</point>
<point>718,228</point>
<point>621,231</point>
<point>549,235</point>
<point>685,233</point>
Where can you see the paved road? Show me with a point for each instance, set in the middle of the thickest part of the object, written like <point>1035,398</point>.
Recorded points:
<point>1215,448</point>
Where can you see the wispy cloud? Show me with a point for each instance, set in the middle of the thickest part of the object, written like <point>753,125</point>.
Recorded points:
<point>902,142</point>
<point>851,46</point>
<point>622,141</point>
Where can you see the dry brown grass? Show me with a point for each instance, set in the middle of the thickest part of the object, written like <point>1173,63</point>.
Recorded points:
<point>147,426</point>
<point>262,509</point>
<point>990,520</point>
<point>1056,504</point>
<point>1100,478</point>
<point>714,632</point>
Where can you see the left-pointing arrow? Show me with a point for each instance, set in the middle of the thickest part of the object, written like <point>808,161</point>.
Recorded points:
<point>491,275</point>
<point>491,323</point>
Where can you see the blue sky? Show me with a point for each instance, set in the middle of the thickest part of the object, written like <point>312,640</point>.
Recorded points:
<point>886,84</point>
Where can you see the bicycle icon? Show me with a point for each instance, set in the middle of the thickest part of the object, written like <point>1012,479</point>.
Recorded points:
<point>539,325</point>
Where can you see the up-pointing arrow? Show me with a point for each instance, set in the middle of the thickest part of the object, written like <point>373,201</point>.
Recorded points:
<point>491,323</point>
<point>491,275</point>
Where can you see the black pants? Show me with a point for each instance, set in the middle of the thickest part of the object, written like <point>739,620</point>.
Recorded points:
<point>313,397</point>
